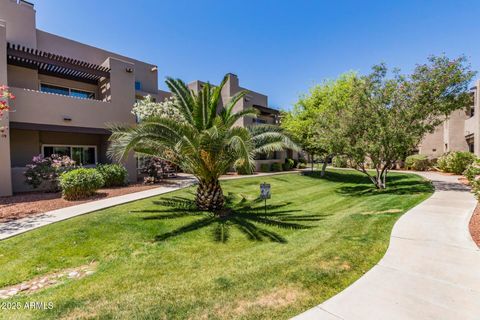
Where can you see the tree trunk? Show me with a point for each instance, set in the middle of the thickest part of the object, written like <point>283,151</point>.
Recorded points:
<point>381,178</point>
<point>324,166</point>
<point>209,196</point>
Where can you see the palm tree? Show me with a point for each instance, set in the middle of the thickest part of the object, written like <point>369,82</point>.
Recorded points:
<point>206,143</point>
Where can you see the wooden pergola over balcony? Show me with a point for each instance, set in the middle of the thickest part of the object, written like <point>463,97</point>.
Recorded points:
<point>56,65</point>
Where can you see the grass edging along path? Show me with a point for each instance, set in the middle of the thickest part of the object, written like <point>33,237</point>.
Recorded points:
<point>318,236</point>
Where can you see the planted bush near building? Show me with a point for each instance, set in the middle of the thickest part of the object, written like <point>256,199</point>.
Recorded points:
<point>472,170</point>
<point>80,183</point>
<point>114,175</point>
<point>276,166</point>
<point>45,171</point>
<point>455,162</point>
<point>289,164</point>
<point>264,167</point>
<point>340,162</point>
<point>417,162</point>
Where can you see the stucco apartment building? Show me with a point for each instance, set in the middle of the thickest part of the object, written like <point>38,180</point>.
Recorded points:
<point>460,132</point>
<point>67,92</point>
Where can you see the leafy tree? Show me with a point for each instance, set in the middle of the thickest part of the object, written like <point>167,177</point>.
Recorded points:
<point>314,117</point>
<point>386,118</point>
<point>206,144</point>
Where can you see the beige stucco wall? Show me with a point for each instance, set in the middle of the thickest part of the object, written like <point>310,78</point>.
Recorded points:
<point>22,77</point>
<point>454,134</point>
<point>24,144</point>
<point>433,144</point>
<point>5,174</point>
<point>21,22</point>
<point>476,119</point>
<point>450,135</point>
<point>162,95</point>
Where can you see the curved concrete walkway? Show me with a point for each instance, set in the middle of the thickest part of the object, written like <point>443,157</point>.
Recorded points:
<point>431,269</point>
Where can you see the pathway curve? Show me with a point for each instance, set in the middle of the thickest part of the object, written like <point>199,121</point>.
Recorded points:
<point>431,269</point>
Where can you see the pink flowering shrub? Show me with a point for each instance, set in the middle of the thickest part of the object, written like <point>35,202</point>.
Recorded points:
<point>5,95</point>
<point>48,170</point>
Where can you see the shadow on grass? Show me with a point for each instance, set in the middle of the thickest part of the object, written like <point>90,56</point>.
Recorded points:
<point>247,216</point>
<point>397,184</point>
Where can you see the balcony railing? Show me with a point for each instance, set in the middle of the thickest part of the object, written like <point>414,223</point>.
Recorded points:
<point>31,106</point>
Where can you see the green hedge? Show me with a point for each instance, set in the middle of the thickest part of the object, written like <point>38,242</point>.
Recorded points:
<point>114,175</point>
<point>264,167</point>
<point>289,164</point>
<point>472,173</point>
<point>80,183</point>
<point>276,166</point>
<point>472,170</point>
<point>455,162</point>
<point>340,162</point>
<point>417,162</point>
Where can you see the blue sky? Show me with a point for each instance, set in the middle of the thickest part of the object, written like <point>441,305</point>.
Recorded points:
<point>279,48</point>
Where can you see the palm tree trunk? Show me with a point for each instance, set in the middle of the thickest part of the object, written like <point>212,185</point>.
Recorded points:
<point>209,196</point>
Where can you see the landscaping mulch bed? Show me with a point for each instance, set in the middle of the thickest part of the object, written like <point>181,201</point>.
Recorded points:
<point>463,181</point>
<point>475,225</point>
<point>27,204</point>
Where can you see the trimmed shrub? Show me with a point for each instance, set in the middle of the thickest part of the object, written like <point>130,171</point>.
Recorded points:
<point>289,164</point>
<point>46,171</point>
<point>472,171</point>
<point>80,183</point>
<point>417,162</point>
<point>276,166</point>
<point>114,175</point>
<point>340,162</point>
<point>442,163</point>
<point>295,163</point>
<point>243,171</point>
<point>459,161</point>
<point>152,167</point>
<point>264,167</point>
<point>455,162</point>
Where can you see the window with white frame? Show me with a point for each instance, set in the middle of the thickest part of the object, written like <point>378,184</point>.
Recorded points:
<point>82,155</point>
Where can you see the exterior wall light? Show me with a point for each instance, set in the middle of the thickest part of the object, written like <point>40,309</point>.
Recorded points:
<point>129,70</point>
<point>65,118</point>
<point>154,69</point>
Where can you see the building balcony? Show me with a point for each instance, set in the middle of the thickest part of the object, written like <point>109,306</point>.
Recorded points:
<point>35,107</point>
<point>470,125</point>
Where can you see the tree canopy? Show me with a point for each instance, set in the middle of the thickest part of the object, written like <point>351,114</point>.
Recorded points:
<point>376,119</point>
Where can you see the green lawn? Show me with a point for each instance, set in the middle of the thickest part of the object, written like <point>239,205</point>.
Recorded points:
<point>156,262</point>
